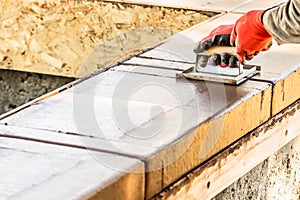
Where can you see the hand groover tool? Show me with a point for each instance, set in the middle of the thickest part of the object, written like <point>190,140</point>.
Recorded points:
<point>220,64</point>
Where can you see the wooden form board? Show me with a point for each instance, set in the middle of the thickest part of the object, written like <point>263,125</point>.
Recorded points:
<point>281,67</point>
<point>225,168</point>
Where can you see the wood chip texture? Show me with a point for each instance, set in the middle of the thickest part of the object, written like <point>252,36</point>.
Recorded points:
<point>55,37</point>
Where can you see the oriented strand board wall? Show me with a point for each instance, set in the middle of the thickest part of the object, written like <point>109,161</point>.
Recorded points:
<point>52,37</point>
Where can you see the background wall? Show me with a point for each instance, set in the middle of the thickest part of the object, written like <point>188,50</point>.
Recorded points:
<point>17,88</point>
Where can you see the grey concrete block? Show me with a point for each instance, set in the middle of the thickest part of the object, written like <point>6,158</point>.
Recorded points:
<point>18,87</point>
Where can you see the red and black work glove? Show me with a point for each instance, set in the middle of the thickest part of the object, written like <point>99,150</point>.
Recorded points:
<point>249,35</point>
<point>220,36</point>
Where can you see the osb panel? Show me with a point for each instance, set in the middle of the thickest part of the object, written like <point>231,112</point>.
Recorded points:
<point>55,38</point>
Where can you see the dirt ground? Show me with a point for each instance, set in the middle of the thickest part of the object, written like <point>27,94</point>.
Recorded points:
<point>52,37</point>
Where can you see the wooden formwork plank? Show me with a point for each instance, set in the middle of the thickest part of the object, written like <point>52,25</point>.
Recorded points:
<point>197,115</point>
<point>213,136</point>
<point>281,67</point>
<point>286,91</point>
<point>32,170</point>
<point>225,168</point>
<point>210,5</point>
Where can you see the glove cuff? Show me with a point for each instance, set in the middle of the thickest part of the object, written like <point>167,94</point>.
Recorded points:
<point>257,21</point>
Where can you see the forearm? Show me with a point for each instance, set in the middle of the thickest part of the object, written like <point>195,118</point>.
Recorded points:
<point>283,22</point>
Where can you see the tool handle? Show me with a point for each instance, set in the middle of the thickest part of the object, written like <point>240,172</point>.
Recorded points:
<point>219,50</point>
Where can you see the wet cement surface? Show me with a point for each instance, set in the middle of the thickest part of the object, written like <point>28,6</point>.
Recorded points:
<point>139,105</point>
<point>278,62</point>
<point>30,168</point>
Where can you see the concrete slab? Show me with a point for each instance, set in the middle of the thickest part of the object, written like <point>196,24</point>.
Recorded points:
<point>280,66</point>
<point>180,46</point>
<point>164,64</point>
<point>276,63</point>
<point>256,5</point>
<point>214,134</point>
<point>147,70</point>
<point>60,115</point>
<point>77,141</point>
<point>32,170</point>
<point>175,116</point>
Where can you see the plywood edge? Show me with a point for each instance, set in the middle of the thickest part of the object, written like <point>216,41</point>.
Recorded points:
<point>211,137</point>
<point>286,91</point>
<point>220,171</point>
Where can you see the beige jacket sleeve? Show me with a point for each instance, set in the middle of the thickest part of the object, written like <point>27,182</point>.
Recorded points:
<point>283,22</point>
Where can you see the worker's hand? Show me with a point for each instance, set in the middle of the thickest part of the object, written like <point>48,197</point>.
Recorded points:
<point>218,37</point>
<point>249,35</point>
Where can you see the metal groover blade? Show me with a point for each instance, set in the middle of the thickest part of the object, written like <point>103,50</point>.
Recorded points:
<point>222,67</point>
